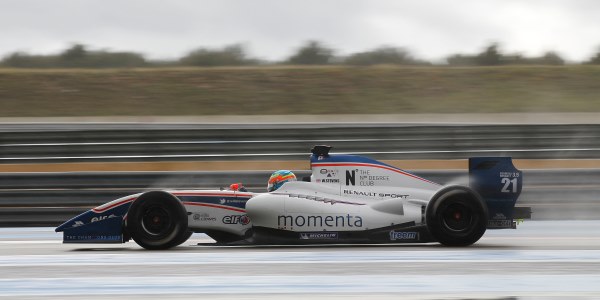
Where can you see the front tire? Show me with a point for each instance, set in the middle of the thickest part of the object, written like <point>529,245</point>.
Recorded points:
<point>157,220</point>
<point>456,216</point>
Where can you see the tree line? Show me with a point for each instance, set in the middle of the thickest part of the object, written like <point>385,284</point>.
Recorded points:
<point>311,53</point>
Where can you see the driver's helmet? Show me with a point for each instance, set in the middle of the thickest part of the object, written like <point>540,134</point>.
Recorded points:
<point>278,178</point>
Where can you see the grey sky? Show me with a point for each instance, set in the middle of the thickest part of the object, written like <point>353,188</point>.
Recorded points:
<point>273,29</point>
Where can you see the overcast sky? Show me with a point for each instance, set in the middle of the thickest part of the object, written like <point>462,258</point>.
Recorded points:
<point>273,29</point>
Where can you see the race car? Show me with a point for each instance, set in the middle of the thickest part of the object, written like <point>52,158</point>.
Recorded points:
<point>348,199</point>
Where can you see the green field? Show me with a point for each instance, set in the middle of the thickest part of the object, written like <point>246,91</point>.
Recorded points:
<point>298,90</point>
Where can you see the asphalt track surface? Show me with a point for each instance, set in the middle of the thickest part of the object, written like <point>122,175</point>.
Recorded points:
<point>540,260</point>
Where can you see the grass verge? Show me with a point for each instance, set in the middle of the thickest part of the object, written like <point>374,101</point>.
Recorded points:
<point>298,90</point>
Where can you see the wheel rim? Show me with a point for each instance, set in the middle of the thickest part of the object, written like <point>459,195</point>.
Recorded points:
<point>156,220</point>
<point>457,217</point>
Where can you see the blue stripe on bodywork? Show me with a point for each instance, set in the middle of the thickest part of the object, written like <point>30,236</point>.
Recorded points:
<point>346,158</point>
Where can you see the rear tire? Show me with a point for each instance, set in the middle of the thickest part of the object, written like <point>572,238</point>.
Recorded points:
<point>456,216</point>
<point>158,220</point>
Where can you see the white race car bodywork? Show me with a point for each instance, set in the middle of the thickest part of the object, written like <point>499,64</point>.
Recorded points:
<point>303,206</point>
<point>347,199</point>
<point>344,197</point>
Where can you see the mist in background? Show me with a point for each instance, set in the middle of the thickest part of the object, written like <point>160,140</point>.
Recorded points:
<point>271,30</point>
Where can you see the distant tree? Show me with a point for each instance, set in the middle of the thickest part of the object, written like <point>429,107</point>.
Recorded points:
<point>312,53</point>
<point>79,57</point>
<point>24,60</point>
<point>490,57</point>
<point>461,60</point>
<point>515,59</point>
<point>76,52</point>
<point>233,55</point>
<point>383,55</point>
<point>76,57</point>
<point>103,59</point>
<point>594,60</point>
<point>551,58</point>
<point>73,57</point>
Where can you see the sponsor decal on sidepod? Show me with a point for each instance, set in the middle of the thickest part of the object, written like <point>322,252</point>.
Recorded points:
<point>234,201</point>
<point>402,235</point>
<point>236,219</point>
<point>347,220</point>
<point>100,218</point>
<point>318,235</point>
<point>204,217</point>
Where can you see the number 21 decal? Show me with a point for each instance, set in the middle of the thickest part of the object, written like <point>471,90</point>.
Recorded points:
<point>507,185</point>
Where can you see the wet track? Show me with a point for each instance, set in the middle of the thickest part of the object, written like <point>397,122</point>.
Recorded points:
<point>540,260</point>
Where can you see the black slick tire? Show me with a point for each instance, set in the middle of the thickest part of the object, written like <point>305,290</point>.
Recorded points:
<point>456,216</point>
<point>157,220</point>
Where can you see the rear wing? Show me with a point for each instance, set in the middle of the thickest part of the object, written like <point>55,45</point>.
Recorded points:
<point>499,183</point>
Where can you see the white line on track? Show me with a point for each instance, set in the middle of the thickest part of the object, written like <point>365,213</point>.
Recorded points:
<point>442,284</point>
<point>304,257</point>
<point>29,242</point>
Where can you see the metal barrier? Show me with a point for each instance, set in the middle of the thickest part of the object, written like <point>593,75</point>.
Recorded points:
<point>147,142</point>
